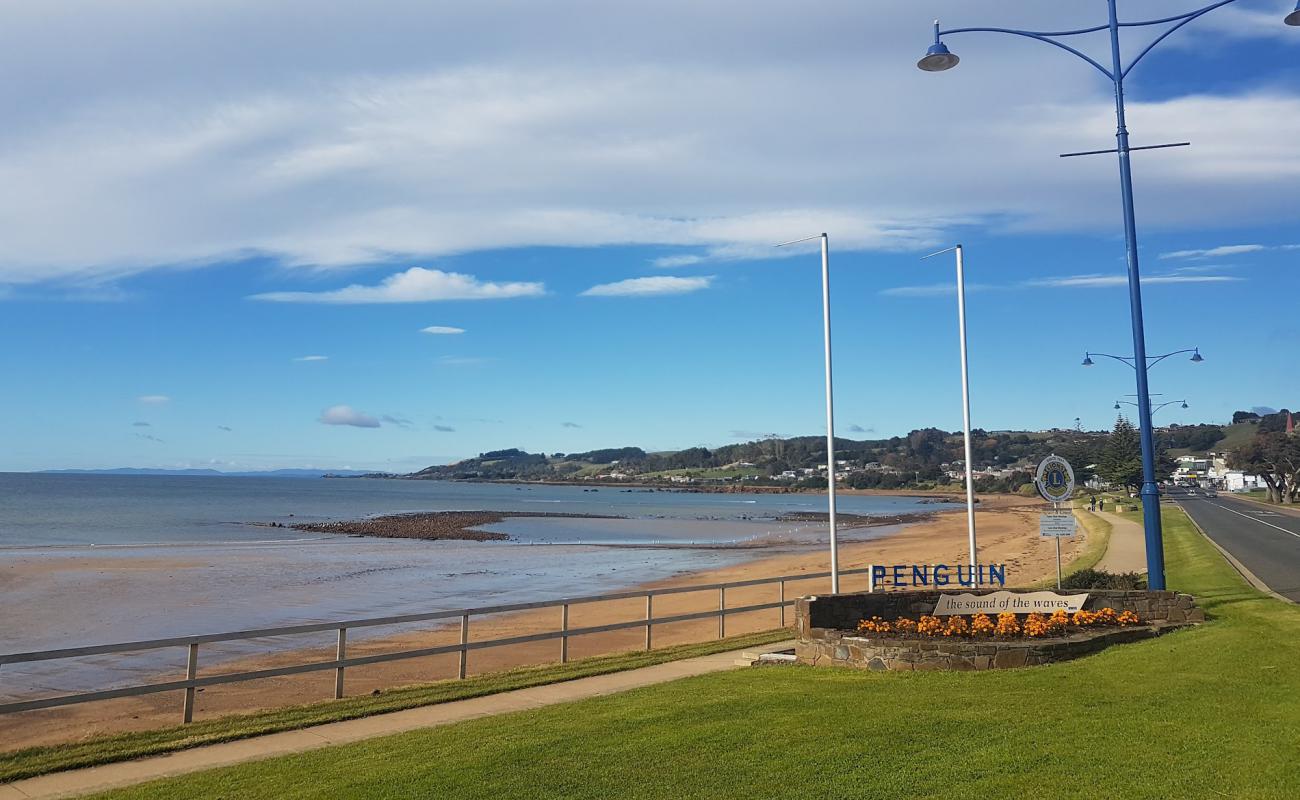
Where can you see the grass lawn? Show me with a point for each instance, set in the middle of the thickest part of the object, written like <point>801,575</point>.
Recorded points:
<point>1210,712</point>
<point>121,747</point>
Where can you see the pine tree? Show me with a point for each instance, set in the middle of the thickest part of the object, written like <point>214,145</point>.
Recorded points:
<point>1121,459</point>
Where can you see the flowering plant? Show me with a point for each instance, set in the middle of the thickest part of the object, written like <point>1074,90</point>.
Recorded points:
<point>1036,625</point>
<point>905,625</point>
<point>929,626</point>
<point>981,625</point>
<point>874,625</point>
<point>1008,625</point>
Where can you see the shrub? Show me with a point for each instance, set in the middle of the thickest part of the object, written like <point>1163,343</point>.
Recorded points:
<point>1098,579</point>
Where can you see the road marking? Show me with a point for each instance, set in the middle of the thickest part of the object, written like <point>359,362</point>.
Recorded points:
<point>1255,519</point>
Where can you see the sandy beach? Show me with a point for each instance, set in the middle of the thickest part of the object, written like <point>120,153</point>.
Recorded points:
<point>1007,534</point>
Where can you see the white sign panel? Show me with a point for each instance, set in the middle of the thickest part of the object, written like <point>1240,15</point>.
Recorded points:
<point>1014,602</point>
<point>1052,525</point>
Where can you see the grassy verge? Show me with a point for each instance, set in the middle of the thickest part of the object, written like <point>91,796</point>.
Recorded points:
<point>121,747</point>
<point>1206,712</point>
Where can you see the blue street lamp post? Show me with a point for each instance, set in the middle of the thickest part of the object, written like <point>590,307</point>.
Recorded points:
<point>938,59</point>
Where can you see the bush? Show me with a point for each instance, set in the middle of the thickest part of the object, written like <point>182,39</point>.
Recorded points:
<point>1098,579</point>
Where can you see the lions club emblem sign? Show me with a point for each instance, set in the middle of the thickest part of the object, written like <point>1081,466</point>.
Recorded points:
<point>1055,479</point>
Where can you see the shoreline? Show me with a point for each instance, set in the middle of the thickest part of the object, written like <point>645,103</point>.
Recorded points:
<point>1007,527</point>
<point>956,495</point>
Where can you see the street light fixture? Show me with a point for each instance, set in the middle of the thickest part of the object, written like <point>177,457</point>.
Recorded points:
<point>938,59</point>
<point>830,404</point>
<point>1179,403</point>
<point>1151,360</point>
<point>965,402</point>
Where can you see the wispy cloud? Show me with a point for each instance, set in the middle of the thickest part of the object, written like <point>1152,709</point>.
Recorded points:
<point>1215,252</point>
<point>442,330</point>
<point>401,422</point>
<point>1108,281</point>
<point>650,287</point>
<point>149,437</point>
<point>415,285</point>
<point>225,428</point>
<point>312,358</point>
<point>141,425</point>
<point>860,429</point>
<point>347,415</point>
<point>444,429</point>
<point>669,262</point>
<point>154,399</point>
<point>463,361</point>
<point>934,290</point>
<point>570,425</point>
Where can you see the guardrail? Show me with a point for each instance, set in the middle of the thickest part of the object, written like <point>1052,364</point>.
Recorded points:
<point>192,682</point>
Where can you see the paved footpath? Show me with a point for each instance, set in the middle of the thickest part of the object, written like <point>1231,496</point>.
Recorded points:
<point>109,776</point>
<point>1127,549</point>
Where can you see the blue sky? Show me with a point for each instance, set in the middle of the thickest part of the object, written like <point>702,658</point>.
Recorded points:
<point>209,198</point>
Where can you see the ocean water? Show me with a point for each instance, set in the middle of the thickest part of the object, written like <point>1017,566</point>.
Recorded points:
<point>44,510</point>
<point>99,559</point>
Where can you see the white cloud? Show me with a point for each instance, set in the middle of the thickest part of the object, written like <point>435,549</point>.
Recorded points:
<point>154,399</point>
<point>462,361</point>
<point>312,358</point>
<point>415,285</point>
<point>158,137</point>
<point>933,290</point>
<point>442,330</point>
<point>1107,281</point>
<point>1214,252</point>
<point>347,415</point>
<point>668,262</point>
<point>648,287</point>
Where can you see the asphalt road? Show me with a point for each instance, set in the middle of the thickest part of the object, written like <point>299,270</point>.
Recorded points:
<point>1266,542</point>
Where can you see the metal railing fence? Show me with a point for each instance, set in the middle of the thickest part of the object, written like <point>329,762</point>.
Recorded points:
<point>192,681</point>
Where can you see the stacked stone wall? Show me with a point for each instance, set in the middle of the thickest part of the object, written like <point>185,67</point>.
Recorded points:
<point>827,630</point>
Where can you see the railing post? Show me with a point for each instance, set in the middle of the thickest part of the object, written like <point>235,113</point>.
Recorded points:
<point>340,654</point>
<point>722,612</point>
<point>564,633</point>
<point>649,617</point>
<point>464,640</point>
<point>783,602</point>
<point>191,672</point>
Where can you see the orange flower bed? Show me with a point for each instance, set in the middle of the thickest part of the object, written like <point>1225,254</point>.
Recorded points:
<point>1008,625</point>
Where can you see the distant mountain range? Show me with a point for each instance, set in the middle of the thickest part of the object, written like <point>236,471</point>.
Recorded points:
<point>213,473</point>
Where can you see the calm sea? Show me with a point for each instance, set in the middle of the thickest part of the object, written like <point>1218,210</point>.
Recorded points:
<point>88,559</point>
<point>43,510</point>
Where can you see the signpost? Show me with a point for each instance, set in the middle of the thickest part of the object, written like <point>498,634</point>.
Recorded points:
<point>1055,482</point>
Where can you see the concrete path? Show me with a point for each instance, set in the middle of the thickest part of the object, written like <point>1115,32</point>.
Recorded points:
<point>110,776</point>
<point>1127,549</point>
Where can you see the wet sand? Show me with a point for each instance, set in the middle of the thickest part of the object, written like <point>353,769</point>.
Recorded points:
<point>1007,528</point>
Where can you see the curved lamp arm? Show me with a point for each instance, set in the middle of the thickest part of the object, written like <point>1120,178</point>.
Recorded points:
<point>1050,37</point>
